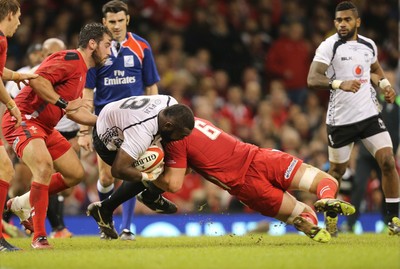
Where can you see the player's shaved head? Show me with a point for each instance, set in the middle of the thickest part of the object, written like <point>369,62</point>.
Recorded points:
<point>52,45</point>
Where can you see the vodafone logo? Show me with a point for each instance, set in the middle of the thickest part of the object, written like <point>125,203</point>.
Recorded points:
<point>358,71</point>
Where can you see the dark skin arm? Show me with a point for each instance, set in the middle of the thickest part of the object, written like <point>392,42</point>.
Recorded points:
<point>376,75</point>
<point>317,79</point>
<point>123,168</point>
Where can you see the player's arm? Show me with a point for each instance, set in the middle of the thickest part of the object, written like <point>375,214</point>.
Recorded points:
<point>84,134</point>
<point>123,168</point>
<point>151,90</point>
<point>80,114</point>
<point>16,76</point>
<point>171,180</point>
<point>317,79</point>
<point>10,104</point>
<point>378,78</point>
<point>45,90</point>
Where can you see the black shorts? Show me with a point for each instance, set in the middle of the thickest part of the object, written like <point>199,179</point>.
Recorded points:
<point>340,136</point>
<point>105,154</point>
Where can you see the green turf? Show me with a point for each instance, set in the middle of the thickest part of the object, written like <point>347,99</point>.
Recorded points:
<point>253,251</point>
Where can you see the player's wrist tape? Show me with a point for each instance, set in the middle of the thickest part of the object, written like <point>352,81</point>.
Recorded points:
<point>335,84</point>
<point>383,83</point>
<point>16,74</point>
<point>147,176</point>
<point>61,103</point>
<point>11,105</point>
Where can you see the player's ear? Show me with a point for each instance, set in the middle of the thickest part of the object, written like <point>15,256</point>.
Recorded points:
<point>128,18</point>
<point>92,44</point>
<point>104,21</point>
<point>358,22</point>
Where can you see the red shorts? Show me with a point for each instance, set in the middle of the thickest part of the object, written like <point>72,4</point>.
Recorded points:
<point>18,138</point>
<point>268,177</point>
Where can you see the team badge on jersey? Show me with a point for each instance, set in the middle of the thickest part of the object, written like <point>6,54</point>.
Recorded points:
<point>358,71</point>
<point>128,61</point>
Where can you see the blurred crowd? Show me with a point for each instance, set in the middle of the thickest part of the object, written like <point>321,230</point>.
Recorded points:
<point>242,64</point>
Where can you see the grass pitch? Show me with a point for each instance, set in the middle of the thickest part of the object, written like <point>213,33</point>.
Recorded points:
<point>251,251</point>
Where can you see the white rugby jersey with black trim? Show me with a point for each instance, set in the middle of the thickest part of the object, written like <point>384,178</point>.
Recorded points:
<point>131,123</point>
<point>349,60</point>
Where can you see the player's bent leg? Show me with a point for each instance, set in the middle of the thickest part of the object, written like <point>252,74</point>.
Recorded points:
<point>71,170</point>
<point>394,226</point>
<point>302,217</point>
<point>23,213</point>
<point>105,184</point>
<point>334,205</point>
<point>6,174</point>
<point>7,247</point>
<point>38,159</point>
<point>6,170</point>
<point>104,220</point>
<point>160,204</point>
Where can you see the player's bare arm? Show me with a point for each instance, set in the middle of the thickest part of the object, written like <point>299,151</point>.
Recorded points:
<point>44,89</point>
<point>84,135</point>
<point>10,104</point>
<point>151,90</point>
<point>79,113</point>
<point>123,168</point>
<point>379,79</point>
<point>16,76</point>
<point>172,179</point>
<point>317,80</point>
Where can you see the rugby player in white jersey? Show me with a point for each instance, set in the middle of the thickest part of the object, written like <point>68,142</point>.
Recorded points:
<point>347,62</point>
<point>124,130</point>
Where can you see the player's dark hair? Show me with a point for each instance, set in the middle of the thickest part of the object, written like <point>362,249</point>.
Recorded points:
<point>7,6</point>
<point>94,31</point>
<point>115,6</point>
<point>181,115</point>
<point>347,5</point>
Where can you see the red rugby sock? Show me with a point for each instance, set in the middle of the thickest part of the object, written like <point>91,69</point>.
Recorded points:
<point>310,217</point>
<point>3,195</point>
<point>39,200</point>
<point>326,188</point>
<point>57,184</point>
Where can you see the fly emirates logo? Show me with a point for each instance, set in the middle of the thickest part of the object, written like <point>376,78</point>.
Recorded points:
<point>119,79</point>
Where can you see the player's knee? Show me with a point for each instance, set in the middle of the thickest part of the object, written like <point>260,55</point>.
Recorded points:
<point>42,171</point>
<point>106,179</point>
<point>7,172</point>
<point>387,163</point>
<point>337,171</point>
<point>75,178</point>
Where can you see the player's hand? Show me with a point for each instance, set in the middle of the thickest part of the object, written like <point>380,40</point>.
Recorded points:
<point>74,105</point>
<point>23,78</point>
<point>15,112</point>
<point>153,175</point>
<point>85,142</point>
<point>350,86</point>
<point>390,94</point>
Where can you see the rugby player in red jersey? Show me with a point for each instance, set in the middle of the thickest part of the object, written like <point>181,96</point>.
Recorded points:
<point>55,92</point>
<point>9,21</point>
<point>260,178</point>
